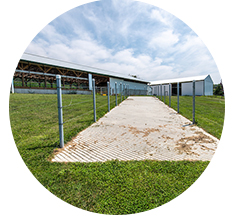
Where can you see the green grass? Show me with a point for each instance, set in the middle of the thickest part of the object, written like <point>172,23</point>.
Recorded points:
<point>209,111</point>
<point>111,187</point>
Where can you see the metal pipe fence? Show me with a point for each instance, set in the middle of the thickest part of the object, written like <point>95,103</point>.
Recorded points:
<point>74,109</point>
<point>175,91</point>
<point>103,99</point>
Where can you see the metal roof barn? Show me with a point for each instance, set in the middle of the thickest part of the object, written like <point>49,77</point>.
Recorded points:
<point>65,64</point>
<point>203,86</point>
<point>43,70</point>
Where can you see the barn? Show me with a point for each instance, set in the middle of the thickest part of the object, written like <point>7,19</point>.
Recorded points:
<point>203,86</point>
<point>37,74</point>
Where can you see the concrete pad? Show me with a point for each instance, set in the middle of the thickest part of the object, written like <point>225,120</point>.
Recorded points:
<point>140,128</point>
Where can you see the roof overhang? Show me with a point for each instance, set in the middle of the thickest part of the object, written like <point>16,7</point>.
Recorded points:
<point>73,66</point>
<point>180,80</point>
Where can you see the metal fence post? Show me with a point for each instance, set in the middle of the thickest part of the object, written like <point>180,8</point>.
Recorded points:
<point>60,111</point>
<point>124,91</point>
<point>169,95</point>
<point>120,91</point>
<point>178,97</point>
<point>193,101</point>
<point>108,95</point>
<point>12,86</point>
<point>161,91</point>
<point>164,93</point>
<point>116,101</point>
<point>94,101</point>
<point>158,92</point>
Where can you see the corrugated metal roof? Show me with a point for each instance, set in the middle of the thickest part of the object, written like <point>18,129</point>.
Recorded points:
<point>180,80</point>
<point>55,62</point>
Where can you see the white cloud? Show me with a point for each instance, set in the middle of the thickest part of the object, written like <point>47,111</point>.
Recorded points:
<point>37,48</point>
<point>50,33</point>
<point>116,43</point>
<point>157,15</point>
<point>158,61</point>
<point>164,40</point>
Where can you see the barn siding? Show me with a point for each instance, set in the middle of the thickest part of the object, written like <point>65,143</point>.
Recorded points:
<point>131,85</point>
<point>208,86</point>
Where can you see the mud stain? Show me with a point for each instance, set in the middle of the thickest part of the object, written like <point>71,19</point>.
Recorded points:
<point>186,144</point>
<point>145,132</point>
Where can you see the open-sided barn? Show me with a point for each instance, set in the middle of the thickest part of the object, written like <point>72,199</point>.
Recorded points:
<point>42,72</point>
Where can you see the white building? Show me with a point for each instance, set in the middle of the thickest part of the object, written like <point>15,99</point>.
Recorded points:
<point>203,86</point>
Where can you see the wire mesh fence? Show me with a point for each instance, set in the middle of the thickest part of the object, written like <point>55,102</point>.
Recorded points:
<point>86,107</point>
<point>75,111</point>
<point>173,98</point>
<point>135,92</point>
<point>34,118</point>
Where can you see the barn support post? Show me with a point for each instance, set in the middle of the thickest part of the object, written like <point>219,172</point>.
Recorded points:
<point>108,95</point>
<point>193,101</point>
<point>178,97</point>
<point>63,82</point>
<point>30,80</point>
<point>45,81</point>
<point>23,79</point>
<point>164,93</point>
<point>169,94</point>
<point>116,101</point>
<point>94,101</point>
<point>60,111</point>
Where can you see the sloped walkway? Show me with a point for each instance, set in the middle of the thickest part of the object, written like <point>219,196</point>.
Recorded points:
<point>140,128</point>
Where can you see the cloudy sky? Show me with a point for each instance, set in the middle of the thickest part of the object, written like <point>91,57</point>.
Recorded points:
<point>127,37</point>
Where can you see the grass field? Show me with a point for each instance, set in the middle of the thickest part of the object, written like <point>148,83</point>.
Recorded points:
<point>209,111</point>
<point>111,187</point>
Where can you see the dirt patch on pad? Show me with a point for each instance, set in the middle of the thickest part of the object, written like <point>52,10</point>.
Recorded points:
<point>145,132</point>
<point>185,144</point>
<point>184,148</point>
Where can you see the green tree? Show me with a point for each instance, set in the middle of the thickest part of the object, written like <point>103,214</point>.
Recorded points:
<point>219,89</point>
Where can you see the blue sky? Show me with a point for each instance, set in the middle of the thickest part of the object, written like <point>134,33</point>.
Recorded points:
<point>127,37</point>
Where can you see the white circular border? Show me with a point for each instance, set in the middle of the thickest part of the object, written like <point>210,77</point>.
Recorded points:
<point>22,194</point>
